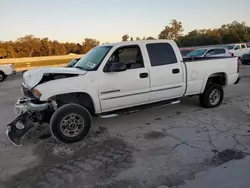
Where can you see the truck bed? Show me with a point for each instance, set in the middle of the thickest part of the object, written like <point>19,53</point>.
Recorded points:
<point>198,72</point>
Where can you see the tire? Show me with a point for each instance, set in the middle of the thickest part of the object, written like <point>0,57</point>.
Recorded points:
<point>205,97</point>
<point>61,125</point>
<point>2,76</point>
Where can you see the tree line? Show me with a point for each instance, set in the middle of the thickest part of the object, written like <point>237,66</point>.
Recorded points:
<point>228,33</point>
<point>31,46</point>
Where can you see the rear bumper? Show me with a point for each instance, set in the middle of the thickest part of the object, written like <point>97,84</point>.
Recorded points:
<point>238,80</point>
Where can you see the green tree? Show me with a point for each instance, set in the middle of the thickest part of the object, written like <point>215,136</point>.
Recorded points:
<point>89,43</point>
<point>125,37</point>
<point>150,38</point>
<point>173,32</point>
<point>46,47</point>
<point>3,53</point>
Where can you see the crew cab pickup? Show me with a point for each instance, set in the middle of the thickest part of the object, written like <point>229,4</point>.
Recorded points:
<point>238,49</point>
<point>116,77</point>
<point>6,70</point>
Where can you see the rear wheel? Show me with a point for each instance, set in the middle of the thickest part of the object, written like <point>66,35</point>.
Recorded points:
<point>2,76</point>
<point>70,123</point>
<point>212,96</point>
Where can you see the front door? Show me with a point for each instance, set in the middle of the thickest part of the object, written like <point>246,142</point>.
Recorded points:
<point>237,51</point>
<point>127,88</point>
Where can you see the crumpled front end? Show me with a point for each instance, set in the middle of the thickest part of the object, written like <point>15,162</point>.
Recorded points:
<point>28,113</point>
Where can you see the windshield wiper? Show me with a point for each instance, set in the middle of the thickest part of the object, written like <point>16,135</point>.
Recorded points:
<point>79,67</point>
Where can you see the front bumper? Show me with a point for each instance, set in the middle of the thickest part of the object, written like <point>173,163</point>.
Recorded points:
<point>238,80</point>
<point>26,111</point>
<point>24,104</point>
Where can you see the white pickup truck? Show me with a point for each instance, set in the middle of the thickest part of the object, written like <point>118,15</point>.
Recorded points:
<point>238,49</point>
<point>6,70</point>
<point>116,77</point>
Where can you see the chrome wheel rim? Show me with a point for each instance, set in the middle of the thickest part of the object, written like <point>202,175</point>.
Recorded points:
<point>214,97</point>
<point>72,125</point>
<point>1,77</point>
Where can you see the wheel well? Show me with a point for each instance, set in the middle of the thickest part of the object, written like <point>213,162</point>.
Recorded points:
<point>2,72</point>
<point>217,78</point>
<point>82,99</point>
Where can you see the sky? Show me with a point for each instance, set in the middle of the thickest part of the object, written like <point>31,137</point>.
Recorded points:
<point>108,20</point>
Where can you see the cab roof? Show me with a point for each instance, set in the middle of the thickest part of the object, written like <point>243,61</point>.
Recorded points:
<point>138,42</point>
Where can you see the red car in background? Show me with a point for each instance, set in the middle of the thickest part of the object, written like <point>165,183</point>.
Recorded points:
<point>186,51</point>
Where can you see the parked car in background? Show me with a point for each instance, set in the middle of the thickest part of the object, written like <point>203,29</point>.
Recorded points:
<point>6,70</point>
<point>210,52</point>
<point>245,59</point>
<point>238,49</point>
<point>73,62</point>
<point>186,51</point>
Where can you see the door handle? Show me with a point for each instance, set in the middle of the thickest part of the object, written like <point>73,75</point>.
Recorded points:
<point>175,71</point>
<point>144,75</point>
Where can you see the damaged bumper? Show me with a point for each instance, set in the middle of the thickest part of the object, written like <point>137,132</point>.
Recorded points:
<point>26,111</point>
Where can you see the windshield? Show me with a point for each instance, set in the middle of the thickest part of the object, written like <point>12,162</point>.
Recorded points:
<point>230,47</point>
<point>93,58</point>
<point>185,52</point>
<point>197,53</point>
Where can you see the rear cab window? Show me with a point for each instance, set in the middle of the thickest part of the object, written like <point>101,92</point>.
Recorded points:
<point>161,54</point>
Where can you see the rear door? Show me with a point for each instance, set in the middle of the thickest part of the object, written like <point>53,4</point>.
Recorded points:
<point>166,73</point>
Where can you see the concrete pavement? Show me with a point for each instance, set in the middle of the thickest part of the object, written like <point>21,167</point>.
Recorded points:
<point>164,146</point>
<point>234,174</point>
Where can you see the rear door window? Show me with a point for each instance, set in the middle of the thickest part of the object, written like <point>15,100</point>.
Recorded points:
<point>220,51</point>
<point>161,54</point>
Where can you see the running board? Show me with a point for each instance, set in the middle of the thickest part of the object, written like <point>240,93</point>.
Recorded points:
<point>138,108</point>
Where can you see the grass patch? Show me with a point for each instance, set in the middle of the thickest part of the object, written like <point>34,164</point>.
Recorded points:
<point>42,63</point>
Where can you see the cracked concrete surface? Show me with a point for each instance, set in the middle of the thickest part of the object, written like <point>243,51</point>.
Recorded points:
<point>163,146</point>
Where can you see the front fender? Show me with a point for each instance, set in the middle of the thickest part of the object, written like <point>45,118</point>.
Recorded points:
<point>48,94</point>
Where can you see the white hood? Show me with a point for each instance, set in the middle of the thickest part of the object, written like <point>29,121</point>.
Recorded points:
<point>33,77</point>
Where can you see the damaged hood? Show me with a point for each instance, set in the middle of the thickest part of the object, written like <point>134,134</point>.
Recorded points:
<point>33,77</point>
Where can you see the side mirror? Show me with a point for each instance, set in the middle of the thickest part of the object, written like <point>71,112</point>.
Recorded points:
<point>115,67</point>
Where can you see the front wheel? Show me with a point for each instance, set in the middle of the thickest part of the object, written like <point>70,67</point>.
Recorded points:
<point>212,96</point>
<point>2,76</point>
<point>70,123</point>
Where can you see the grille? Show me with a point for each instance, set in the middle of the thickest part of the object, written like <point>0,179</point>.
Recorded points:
<point>26,92</point>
